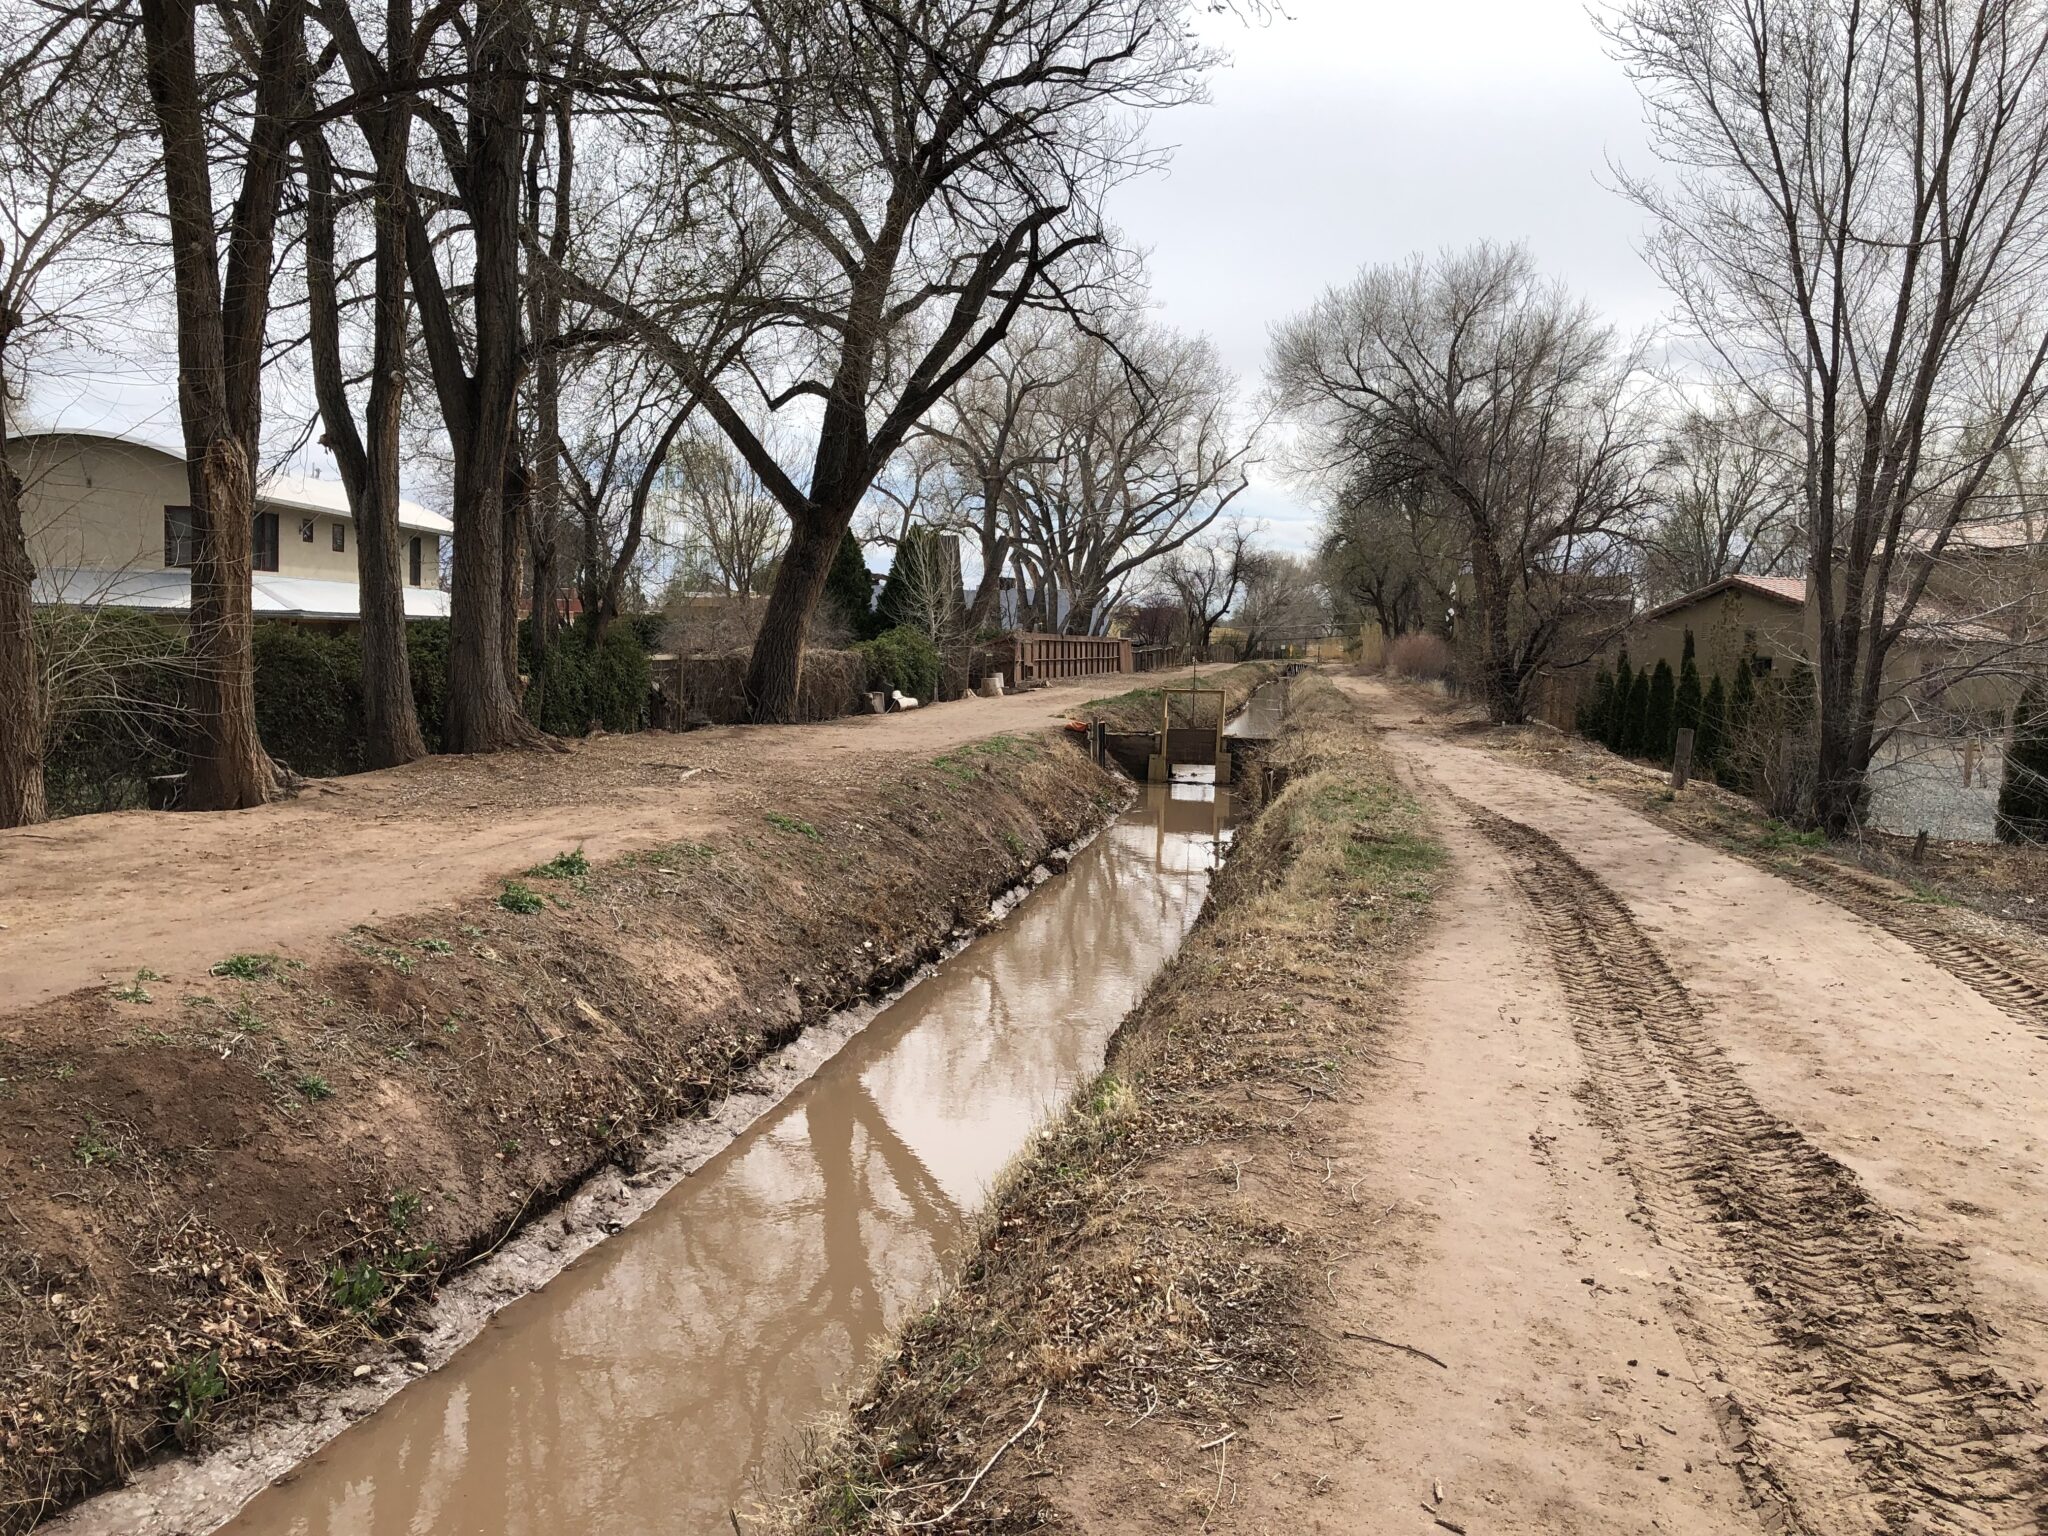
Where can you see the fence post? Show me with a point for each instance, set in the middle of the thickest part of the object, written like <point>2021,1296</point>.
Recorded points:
<point>1969,760</point>
<point>1681,761</point>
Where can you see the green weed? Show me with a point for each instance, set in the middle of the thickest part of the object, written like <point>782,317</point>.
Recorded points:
<point>195,1384</point>
<point>355,1287</point>
<point>563,866</point>
<point>795,824</point>
<point>134,992</point>
<point>1777,835</point>
<point>435,947</point>
<point>314,1088</point>
<point>94,1150</point>
<point>519,898</point>
<point>246,967</point>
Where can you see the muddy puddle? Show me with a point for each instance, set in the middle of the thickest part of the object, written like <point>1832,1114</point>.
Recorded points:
<point>664,1378</point>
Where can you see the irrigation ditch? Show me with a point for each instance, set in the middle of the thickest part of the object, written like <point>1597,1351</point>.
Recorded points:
<point>250,1336</point>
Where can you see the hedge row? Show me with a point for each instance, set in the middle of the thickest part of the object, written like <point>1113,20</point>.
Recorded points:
<point>309,700</point>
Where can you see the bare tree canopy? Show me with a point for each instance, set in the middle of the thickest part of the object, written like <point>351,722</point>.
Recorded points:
<point>1853,218</point>
<point>1727,494</point>
<point>893,186</point>
<point>1504,407</point>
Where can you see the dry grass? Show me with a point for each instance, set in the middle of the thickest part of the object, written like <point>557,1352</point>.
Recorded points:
<point>1131,1277</point>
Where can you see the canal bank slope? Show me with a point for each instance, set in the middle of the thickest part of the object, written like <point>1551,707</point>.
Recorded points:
<point>224,1181</point>
<point>1155,1264</point>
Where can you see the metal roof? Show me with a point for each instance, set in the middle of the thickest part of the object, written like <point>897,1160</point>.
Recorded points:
<point>273,596</point>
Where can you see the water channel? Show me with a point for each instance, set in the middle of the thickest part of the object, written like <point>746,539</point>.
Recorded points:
<point>662,1379</point>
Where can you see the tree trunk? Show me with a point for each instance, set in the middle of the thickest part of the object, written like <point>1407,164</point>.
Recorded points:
<point>220,338</point>
<point>369,472</point>
<point>483,711</point>
<point>775,671</point>
<point>21,712</point>
<point>513,564</point>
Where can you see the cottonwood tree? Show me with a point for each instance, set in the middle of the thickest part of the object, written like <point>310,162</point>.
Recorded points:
<point>924,173</point>
<point>70,172</point>
<point>1728,499</point>
<point>1853,219</point>
<point>727,522</point>
<point>222,263</point>
<point>1206,576</point>
<point>1389,555</point>
<point>367,454</point>
<point>1283,603</point>
<point>1508,409</point>
<point>1138,450</point>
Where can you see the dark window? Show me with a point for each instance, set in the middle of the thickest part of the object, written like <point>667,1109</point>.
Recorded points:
<point>413,556</point>
<point>263,542</point>
<point>181,538</point>
<point>305,530</point>
<point>340,537</point>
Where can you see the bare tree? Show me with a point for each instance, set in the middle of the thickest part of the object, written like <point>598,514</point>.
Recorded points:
<point>1283,603</point>
<point>923,175</point>
<point>222,310</point>
<point>1206,577</point>
<point>1728,500</point>
<point>1139,449</point>
<point>1390,556</point>
<point>729,524</point>
<point>1508,409</point>
<point>69,174</point>
<point>1855,225</point>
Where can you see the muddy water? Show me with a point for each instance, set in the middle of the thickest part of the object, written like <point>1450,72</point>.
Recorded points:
<point>662,1379</point>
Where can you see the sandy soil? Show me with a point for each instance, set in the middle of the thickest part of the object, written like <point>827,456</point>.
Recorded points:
<point>1721,1208</point>
<point>94,898</point>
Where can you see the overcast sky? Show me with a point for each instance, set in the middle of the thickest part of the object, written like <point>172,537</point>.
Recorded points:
<point>1361,131</point>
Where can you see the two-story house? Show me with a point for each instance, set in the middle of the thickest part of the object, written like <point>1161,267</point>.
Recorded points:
<point>109,523</point>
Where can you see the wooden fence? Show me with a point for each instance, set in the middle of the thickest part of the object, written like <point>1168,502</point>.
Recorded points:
<point>1047,658</point>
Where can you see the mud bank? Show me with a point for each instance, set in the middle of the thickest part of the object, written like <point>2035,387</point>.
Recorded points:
<point>1150,1268</point>
<point>225,1187</point>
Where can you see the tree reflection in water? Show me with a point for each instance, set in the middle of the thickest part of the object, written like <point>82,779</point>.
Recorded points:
<point>658,1379</point>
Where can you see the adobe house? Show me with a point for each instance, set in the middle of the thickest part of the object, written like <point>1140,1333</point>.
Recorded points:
<point>1951,673</point>
<point>108,523</point>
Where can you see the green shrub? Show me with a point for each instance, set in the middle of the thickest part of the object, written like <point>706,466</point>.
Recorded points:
<point>580,686</point>
<point>1596,705</point>
<point>1619,704</point>
<point>1659,725</point>
<point>850,590</point>
<point>1711,745</point>
<point>119,715</point>
<point>309,698</point>
<point>904,659</point>
<point>1634,731</point>
<point>426,652</point>
<point>2023,797</point>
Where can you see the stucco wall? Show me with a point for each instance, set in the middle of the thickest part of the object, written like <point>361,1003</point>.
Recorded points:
<point>1723,626</point>
<point>95,505</point>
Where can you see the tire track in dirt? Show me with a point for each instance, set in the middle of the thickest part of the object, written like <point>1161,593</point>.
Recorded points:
<point>1833,1322</point>
<point>2003,974</point>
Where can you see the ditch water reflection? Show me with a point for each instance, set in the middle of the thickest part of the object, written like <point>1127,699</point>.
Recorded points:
<point>661,1379</point>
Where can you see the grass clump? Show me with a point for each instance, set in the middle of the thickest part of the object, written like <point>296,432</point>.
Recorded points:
<point>796,824</point>
<point>1778,835</point>
<point>563,866</point>
<point>314,1088</point>
<point>245,967</point>
<point>519,898</point>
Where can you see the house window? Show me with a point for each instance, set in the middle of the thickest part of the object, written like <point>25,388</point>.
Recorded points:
<point>263,542</point>
<point>181,538</point>
<point>340,538</point>
<point>413,559</point>
<point>305,530</point>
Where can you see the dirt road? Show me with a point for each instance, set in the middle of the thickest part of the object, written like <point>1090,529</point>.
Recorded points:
<point>95,897</point>
<point>1718,1208</point>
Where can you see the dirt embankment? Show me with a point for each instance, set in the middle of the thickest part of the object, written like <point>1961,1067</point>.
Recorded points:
<point>220,1182</point>
<point>1154,1262</point>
